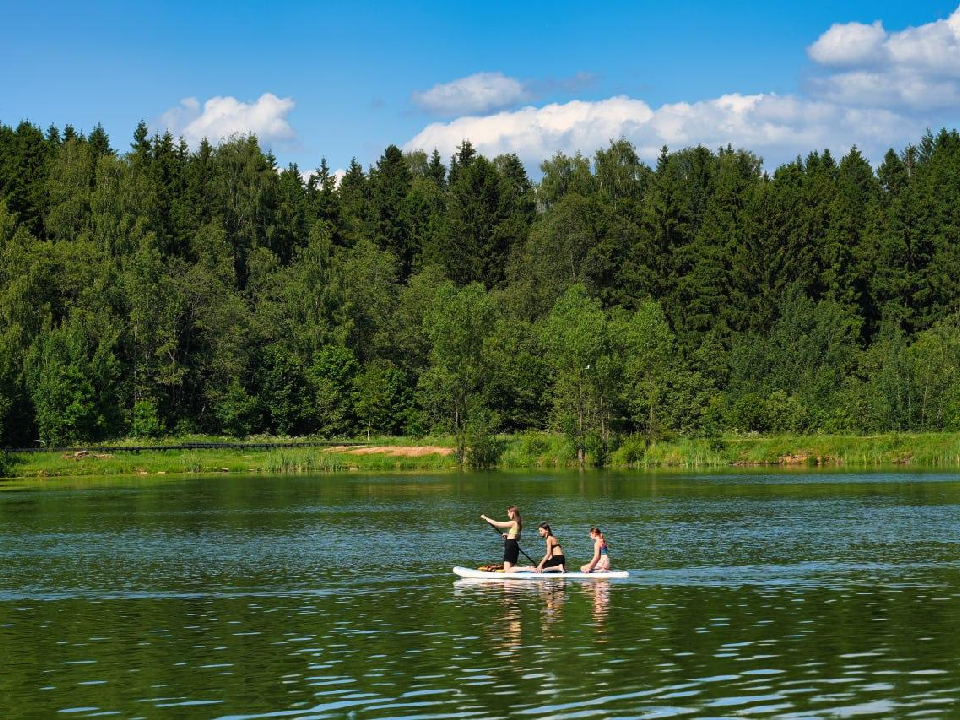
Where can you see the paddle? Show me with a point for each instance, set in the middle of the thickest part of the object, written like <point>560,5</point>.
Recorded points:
<point>518,545</point>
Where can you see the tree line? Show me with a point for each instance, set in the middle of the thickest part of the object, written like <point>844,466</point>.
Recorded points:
<point>170,290</point>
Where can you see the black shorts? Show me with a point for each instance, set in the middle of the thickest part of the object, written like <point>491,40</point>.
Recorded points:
<point>511,551</point>
<point>555,561</point>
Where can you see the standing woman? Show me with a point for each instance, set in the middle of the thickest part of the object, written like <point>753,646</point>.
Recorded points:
<point>511,536</point>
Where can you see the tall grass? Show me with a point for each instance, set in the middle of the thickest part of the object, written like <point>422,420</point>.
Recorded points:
<point>856,451</point>
<point>537,450</point>
<point>297,460</point>
<point>529,450</point>
<point>171,462</point>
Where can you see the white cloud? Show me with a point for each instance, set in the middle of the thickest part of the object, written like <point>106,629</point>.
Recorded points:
<point>222,117</point>
<point>934,47</point>
<point>485,92</point>
<point>877,89</point>
<point>931,48</point>
<point>888,88</point>
<point>916,68</point>
<point>480,92</point>
<point>537,131</point>
<point>849,44</point>
<point>773,126</point>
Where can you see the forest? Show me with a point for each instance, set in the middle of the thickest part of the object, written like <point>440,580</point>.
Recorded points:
<point>164,290</point>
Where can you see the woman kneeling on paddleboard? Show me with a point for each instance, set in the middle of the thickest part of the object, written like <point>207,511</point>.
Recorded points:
<point>511,538</point>
<point>600,562</point>
<point>554,560</point>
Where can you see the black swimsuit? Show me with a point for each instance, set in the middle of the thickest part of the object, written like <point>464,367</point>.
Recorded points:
<point>554,561</point>
<point>511,550</point>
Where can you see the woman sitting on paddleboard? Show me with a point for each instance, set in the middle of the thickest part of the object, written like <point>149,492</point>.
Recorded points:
<point>511,538</point>
<point>554,560</point>
<point>600,562</point>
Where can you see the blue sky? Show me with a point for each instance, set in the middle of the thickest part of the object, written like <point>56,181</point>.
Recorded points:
<point>325,79</point>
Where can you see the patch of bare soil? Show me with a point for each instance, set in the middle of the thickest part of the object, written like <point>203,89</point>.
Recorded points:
<point>393,450</point>
<point>81,454</point>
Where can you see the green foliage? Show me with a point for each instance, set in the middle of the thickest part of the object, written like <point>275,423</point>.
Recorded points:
<point>578,349</point>
<point>454,383</point>
<point>381,398</point>
<point>632,451</point>
<point>484,448</point>
<point>333,377</point>
<point>518,382</point>
<point>646,345</point>
<point>237,412</point>
<point>72,378</point>
<point>538,449</point>
<point>809,351</point>
<point>935,359</point>
<point>146,419</point>
<point>488,210</point>
<point>284,392</point>
<point>563,175</point>
<point>170,288</point>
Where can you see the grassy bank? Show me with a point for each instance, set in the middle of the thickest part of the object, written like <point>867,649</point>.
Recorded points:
<point>247,460</point>
<point>532,450</point>
<point>933,450</point>
<point>929,450</point>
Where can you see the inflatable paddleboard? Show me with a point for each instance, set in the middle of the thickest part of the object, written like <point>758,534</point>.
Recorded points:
<point>488,575</point>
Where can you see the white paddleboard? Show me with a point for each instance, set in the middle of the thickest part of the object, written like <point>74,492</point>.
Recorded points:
<point>488,575</point>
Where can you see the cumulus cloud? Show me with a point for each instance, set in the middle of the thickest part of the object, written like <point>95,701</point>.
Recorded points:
<point>917,68</point>
<point>875,88</point>
<point>480,92</point>
<point>849,44</point>
<point>485,92</point>
<point>894,87</point>
<point>774,126</point>
<point>220,117</point>
<point>536,132</point>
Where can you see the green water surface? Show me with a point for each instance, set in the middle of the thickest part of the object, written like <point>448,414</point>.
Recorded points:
<point>751,595</point>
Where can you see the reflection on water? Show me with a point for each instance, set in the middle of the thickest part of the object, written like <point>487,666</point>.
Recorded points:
<point>599,595</point>
<point>779,596</point>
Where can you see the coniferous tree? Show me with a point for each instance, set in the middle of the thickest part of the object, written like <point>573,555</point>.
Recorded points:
<point>388,186</point>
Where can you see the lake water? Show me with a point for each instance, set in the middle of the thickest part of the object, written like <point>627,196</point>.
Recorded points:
<point>794,595</point>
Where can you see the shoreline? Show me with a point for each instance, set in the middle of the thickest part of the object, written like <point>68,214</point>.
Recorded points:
<point>528,451</point>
